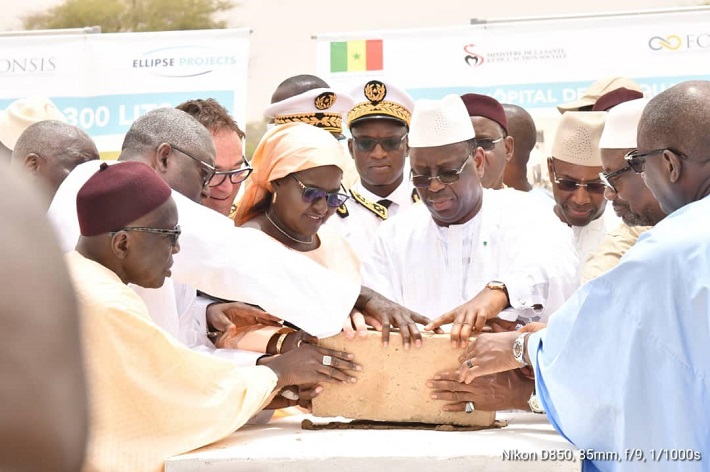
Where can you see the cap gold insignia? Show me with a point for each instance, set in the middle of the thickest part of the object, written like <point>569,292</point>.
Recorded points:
<point>375,91</point>
<point>324,101</point>
<point>332,122</point>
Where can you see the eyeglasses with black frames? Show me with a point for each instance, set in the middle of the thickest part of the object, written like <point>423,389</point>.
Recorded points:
<point>209,170</point>
<point>487,144</point>
<point>173,234</point>
<point>606,178</point>
<point>235,176</point>
<point>313,194</point>
<point>637,160</point>
<point>446,177</point>
<point>570,185</point>
<point>388,144</point>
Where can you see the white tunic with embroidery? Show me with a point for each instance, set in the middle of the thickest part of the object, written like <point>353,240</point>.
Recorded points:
<point>588,238</point>
<point>513,239</point>
<point>361,223</point>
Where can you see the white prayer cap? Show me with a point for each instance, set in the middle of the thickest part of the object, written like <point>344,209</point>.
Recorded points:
<point>440,122</point>
<point>22,113</point>
<point>378,99</point>
<point>622,123</point>
<point>577,138</point>
<point>320,107</point>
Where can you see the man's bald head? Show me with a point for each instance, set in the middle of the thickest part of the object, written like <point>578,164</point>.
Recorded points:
<point>164,125</point>
<point>177,146</point>
<point>521,127</point>
<point>679,118</point>
<point>47,134</point>
<point>50,149</point>
<point>296,85</point>
<point>673,133</point>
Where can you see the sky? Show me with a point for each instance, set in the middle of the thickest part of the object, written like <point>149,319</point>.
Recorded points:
<point>281,41</point>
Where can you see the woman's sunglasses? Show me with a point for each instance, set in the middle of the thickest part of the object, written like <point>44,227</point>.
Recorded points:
<point>313,194</point>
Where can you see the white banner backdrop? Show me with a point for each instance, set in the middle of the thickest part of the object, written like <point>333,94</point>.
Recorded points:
<point>103,82</point>
<point>537,63</point>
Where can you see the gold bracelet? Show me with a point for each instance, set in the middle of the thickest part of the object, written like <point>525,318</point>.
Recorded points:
<point>280,342</point>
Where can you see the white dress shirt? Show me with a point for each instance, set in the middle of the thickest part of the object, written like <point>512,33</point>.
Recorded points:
<point>361,224</point>
<point>513,239</point>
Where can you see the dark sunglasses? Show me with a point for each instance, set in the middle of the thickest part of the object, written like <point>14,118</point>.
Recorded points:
<point>487,144</point>
<point>388,144</point>
<point>173,233</point>
<point>570,185</point>
<point>446,177</point>
<point>606,177</point>
<point>313,194</point>
<point>235,176</point>
<point>637,160</point>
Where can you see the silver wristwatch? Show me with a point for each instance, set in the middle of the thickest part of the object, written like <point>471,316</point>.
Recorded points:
<point>534,404</point>
<point>519,349</point>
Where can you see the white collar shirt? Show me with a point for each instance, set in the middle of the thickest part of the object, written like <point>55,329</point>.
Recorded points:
<point>361,224</point>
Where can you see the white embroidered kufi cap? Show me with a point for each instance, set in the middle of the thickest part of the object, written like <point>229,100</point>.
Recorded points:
<point>440,122</point>
<point>577,138</point>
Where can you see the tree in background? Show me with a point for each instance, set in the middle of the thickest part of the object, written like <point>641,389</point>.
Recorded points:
<point>115,16</point>
<point>255,131</point>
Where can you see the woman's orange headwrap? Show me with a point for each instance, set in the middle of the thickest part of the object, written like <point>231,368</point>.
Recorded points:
<point>284,150</point>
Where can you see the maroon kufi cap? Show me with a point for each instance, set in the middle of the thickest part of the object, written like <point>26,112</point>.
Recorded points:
<point>487,107</point>
<point>117,195</point>
<point>610,99</point>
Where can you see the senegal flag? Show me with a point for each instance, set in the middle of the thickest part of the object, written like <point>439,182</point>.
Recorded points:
<point>351,56</point>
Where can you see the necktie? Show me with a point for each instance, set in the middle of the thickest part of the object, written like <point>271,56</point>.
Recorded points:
<point>385,202</point>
